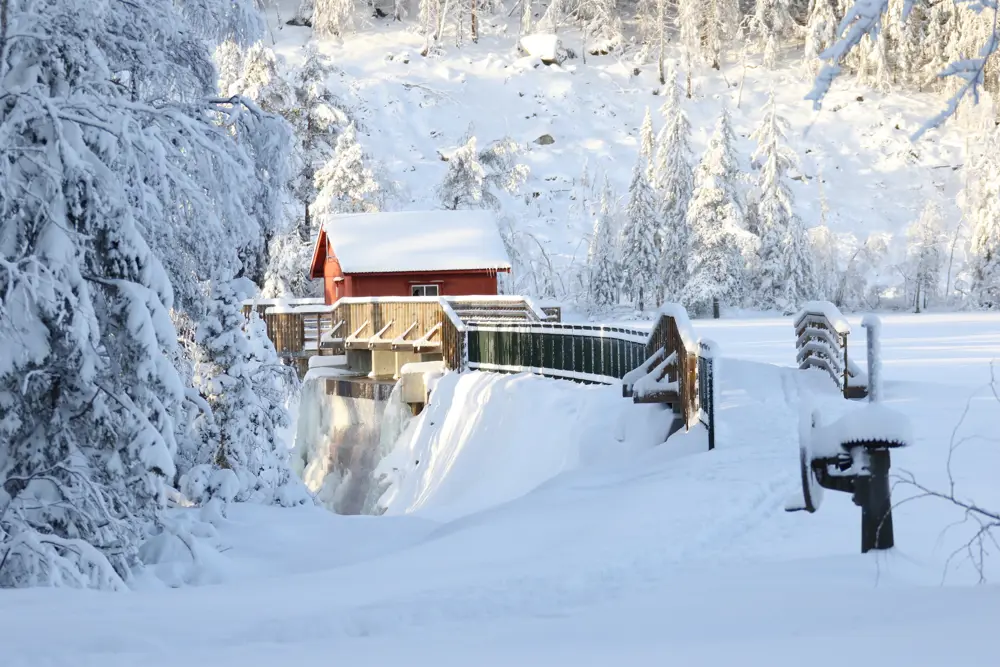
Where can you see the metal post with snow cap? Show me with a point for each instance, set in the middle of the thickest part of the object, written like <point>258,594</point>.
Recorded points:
<point>852,455</point>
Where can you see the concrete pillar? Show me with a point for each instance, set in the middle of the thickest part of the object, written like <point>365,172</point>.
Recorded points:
<point>383,364</point>
<point>359,361</point>
<point>402,358</point>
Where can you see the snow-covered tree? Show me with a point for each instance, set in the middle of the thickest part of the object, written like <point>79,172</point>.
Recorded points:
<point>786,271</point>
<point>229,57</point>
<point>690,18</point>
<point>720,30</point>
<point>825,250</point>
<point>261,81</point>
<point>464,184</point>
<point>316,115</point>
<point>639,251</point>
<point>332,18</point>
<point>859,284</point>
<point>821,32</point>
<point>715,218</point>
<point>653,18</point>
<point>245,385</point>
<point>673,179</point>
<point>474,176</point>
<point>344,183</point>
<point>647,142</point>
<point>984,216</point>
<point>925,255</point>
<point>601,25</point>
<point>967,40</point>
<point>219,20</point>
<point>115,206</point>
<point>602,261</point>
<point>772,21</point>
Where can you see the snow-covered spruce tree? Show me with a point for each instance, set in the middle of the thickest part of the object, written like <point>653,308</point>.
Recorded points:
<point>245,385</point>
<point>344,183</point>
<point>464,184</point>
<point>715,218</point>
<point>475,176</point>
<point>984,247</point>
<point>90,180</point>
<point>673,179</point>
<point>647,142</point>
<point>638,247</point>
<point>690,18</point>
<point>602,260</point>
<point>721,29</point>
<point>821,32</point>
<point>925,255</point>
<point>332,18</point>
<point>771,23</point>
<point>261,80</point>
<point>786,275</point>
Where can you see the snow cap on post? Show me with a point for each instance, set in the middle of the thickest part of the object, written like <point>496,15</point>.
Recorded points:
<point>869,424</point>
<point>684,328</point>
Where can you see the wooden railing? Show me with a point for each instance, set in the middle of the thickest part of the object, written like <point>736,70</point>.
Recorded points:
<point>302,328</point>
<point>821,333</point>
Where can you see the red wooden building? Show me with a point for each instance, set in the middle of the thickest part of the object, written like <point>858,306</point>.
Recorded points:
<point>409,253</point>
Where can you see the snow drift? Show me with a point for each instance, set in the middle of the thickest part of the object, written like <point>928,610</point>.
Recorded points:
<point>486,439</point>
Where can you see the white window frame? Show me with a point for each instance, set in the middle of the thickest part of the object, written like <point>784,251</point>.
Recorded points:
<point>424,288</point>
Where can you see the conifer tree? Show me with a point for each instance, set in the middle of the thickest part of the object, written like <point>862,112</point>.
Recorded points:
<point>786,276</point>
<point>714,216</point>
<point>647,142</point>
<point>638,247</point>
<point>821,32</point>
<point>245,385</point>
<point>344,183</point>
<point>721,29</point>
<point>984,248</point>
<point>674,182</point>
<point>602,262</point>
<point>332,18</point>
<point>474,176</point>
<point>771,23</point>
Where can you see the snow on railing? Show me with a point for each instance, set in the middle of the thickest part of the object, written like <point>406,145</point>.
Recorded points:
<point>821,342</point>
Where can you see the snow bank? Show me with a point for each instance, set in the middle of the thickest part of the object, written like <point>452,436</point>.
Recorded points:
<point>547,48</point>
<point>486,439</point>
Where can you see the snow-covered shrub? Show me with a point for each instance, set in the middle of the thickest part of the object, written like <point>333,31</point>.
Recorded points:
<point>245,385</point>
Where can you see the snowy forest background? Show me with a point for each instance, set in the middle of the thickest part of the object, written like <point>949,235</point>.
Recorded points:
<point>161,164</point>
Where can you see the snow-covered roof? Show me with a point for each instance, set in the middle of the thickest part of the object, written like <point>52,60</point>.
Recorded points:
<point>416,241</point>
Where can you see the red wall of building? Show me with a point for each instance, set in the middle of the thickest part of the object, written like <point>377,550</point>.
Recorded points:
<point>450,283</point>
<point>400,284</point>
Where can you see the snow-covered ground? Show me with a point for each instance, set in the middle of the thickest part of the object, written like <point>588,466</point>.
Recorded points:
<point>541,533</point>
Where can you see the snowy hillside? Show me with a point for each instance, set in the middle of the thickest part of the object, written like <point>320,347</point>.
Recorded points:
<point>856,153</point>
